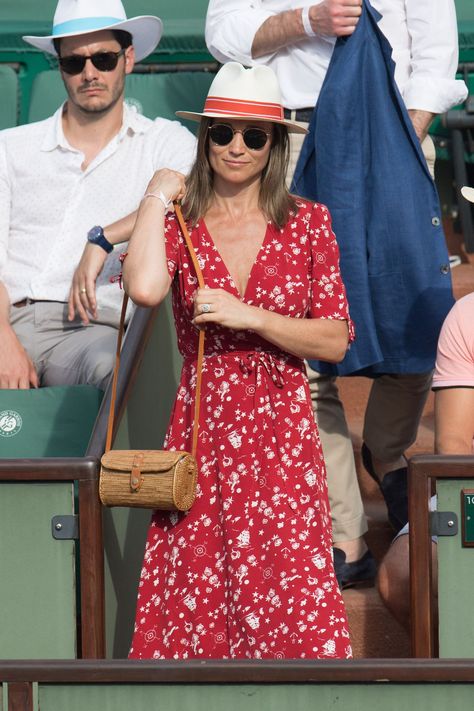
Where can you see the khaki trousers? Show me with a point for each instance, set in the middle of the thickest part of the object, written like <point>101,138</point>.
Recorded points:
<point>391,418</point>
<point>64,352</point>
<point>391,421</point>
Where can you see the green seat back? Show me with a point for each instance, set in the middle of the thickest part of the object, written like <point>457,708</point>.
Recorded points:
<point>9,97</point>
<point>47,422</point>
<point>163,94</point>
<point>47,94</point>
<point>153,94</point>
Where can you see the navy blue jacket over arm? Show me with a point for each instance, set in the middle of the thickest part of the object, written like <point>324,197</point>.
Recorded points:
<point>363,160</point>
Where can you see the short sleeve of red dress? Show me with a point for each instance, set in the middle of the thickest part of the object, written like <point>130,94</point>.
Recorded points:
<point>328,294</point>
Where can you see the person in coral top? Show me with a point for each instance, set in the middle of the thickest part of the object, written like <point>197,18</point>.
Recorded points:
<point>247,573</point>
<point>453,384</point>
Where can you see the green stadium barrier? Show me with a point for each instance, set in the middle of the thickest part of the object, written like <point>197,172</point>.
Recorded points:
<point>37,572</point>
<point>51,559</point>
<point>9,97</point>
<point>237,685</point>
<point>455,575</point>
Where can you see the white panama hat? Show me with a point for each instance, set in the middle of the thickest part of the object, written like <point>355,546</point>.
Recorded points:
<point>240,93</point>
<point>468,193</point>
<point>78,17</point>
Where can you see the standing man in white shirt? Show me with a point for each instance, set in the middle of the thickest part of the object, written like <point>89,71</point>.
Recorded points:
<point>62,182</point>
<point>297,41</point>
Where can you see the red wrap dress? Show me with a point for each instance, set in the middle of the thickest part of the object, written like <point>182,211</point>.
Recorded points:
<point>247,573</point>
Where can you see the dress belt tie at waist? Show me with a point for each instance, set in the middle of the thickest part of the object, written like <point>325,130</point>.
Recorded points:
<point>274,369</point>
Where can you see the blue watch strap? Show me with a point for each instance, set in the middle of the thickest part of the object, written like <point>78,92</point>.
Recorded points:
<point>96,236</point>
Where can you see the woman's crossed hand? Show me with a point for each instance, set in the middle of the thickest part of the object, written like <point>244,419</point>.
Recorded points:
<point>221,307</point>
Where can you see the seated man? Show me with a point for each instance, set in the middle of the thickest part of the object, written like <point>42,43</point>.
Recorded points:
<point>453,383</point>
<point>61,181</point>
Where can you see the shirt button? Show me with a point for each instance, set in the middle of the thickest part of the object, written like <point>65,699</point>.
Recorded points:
<point>293,505</point>
<point>435,221</point>
<point>444,269</point>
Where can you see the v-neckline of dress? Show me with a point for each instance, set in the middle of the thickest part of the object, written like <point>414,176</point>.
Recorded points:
<point>242,296</point>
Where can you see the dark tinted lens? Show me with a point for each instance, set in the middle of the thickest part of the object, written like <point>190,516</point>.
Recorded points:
<point>73,64</point>
<point>255,138</point>
<point>105,61</point>
<point>221,134</point>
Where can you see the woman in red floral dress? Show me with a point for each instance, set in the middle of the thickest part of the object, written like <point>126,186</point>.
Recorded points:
<point>247,573</point>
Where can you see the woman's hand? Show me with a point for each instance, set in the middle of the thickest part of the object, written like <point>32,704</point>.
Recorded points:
<point>310,338</point>
<point>218,306</point>
<point>169,182</point>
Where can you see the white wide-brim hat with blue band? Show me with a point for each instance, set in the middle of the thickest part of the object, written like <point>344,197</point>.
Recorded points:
<point>79,17</point>
<point>468,193</point>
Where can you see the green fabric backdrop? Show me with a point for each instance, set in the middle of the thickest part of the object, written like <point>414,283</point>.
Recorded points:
<point>26,10</point>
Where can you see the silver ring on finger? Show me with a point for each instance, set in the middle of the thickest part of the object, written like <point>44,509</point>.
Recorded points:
<point>205,308</point>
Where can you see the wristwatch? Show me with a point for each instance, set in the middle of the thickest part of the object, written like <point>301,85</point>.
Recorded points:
<point>96,236</point>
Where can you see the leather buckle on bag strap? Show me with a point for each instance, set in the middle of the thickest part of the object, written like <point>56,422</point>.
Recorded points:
<point>136,478</point>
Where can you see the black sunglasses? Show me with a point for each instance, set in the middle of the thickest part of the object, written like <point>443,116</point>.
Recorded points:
<point>103,61</point>
<point>254,138</point>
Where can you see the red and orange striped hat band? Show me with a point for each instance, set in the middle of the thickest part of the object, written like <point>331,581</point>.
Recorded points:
<point>239,107</point>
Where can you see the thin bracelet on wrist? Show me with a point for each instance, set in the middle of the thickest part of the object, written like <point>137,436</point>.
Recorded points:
<point>160,196</point>
<point>307,22</point>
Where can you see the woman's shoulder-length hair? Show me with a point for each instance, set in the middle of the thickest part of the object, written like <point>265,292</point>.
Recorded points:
<point>276,202</point>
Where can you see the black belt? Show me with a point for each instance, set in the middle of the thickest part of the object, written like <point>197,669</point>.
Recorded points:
<point>303,115</point>
<point>27,302</point>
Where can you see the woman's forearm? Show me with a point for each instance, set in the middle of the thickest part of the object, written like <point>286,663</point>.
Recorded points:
<point>312,338</point>
<point>120,231</point>
<point>317,338</point>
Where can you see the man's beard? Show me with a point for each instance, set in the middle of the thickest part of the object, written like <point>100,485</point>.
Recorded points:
<point>98,109</point>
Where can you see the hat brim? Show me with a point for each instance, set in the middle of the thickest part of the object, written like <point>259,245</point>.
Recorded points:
<point>468,193</point>
<point>146,31</point>
<point>193,116</point>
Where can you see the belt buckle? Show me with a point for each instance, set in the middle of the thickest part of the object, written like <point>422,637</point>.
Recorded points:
<point>303,115</point>
<point>23,302</point>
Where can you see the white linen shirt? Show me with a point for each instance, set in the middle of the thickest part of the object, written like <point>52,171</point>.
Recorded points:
<point>422,33</point>
<point>48,203</point>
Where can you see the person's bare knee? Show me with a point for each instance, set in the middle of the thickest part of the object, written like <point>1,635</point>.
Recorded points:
<point>393,580</point>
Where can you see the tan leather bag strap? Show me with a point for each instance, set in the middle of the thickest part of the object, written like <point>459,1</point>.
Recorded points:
<point>197,401</point>
<point>200,356</point>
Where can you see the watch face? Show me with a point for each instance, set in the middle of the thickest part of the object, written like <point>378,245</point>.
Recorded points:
<point>95,233</point>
